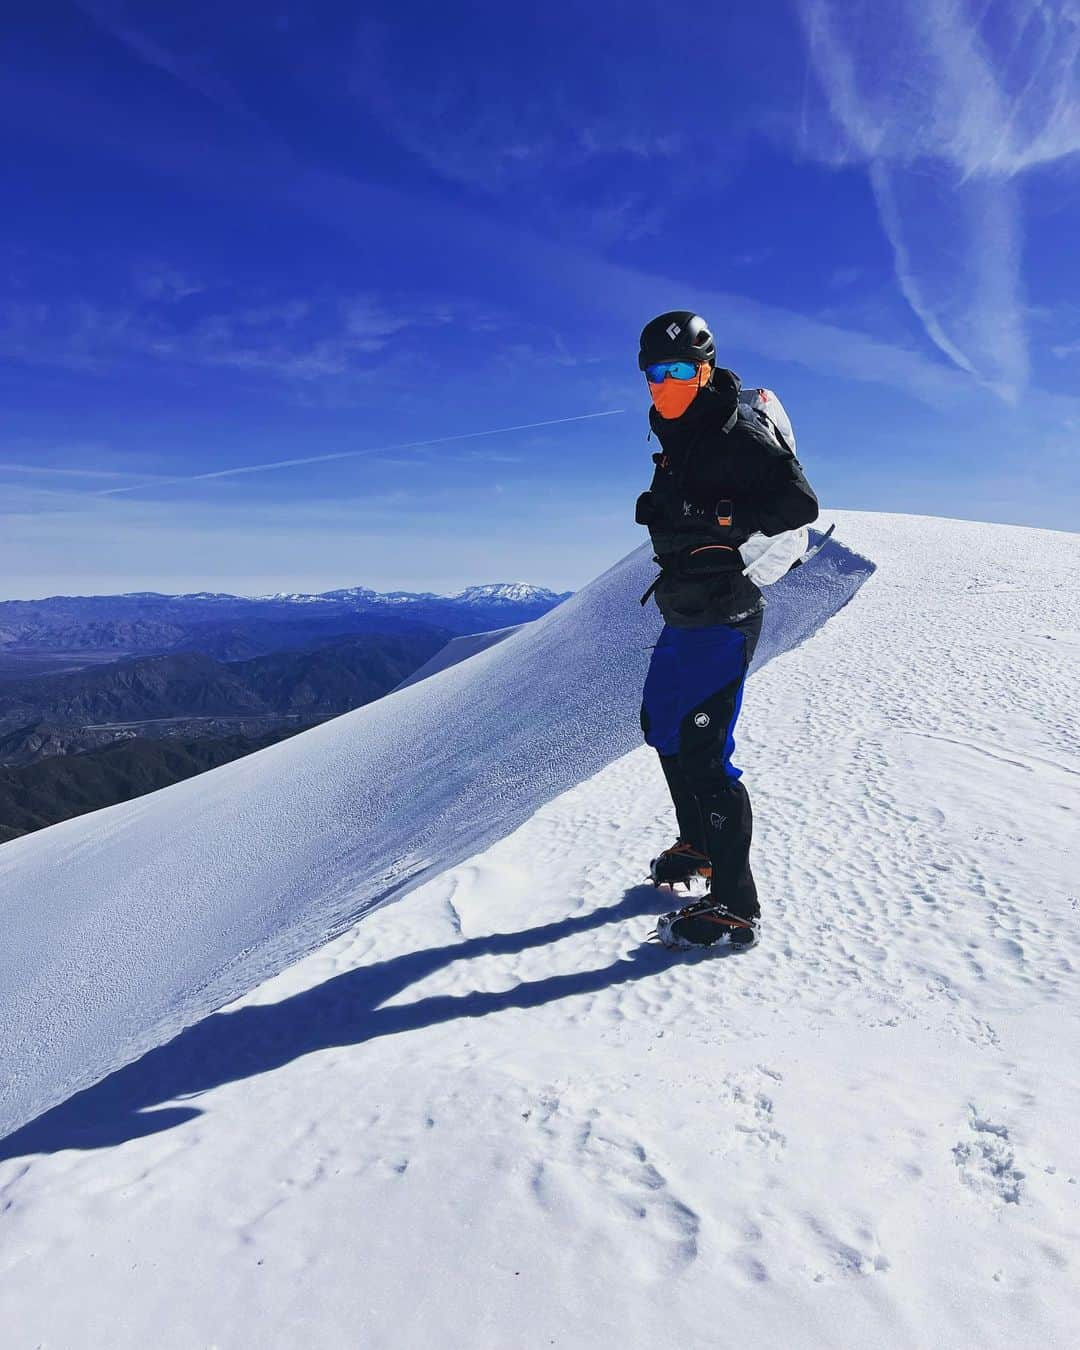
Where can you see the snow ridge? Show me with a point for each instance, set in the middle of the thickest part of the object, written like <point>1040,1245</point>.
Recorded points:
<point>124,926</point>
<point>862,1134</point>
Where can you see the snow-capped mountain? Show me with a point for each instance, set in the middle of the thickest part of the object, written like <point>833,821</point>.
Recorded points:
<point>344,595</point>
<point>231,626</point>
<point>293,598</point>
<point>512,592</point>
<point>500,592</point>
<point>490,1114</point>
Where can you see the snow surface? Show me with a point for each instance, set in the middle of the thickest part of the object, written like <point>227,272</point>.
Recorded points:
<point>489,1116</point>
<point>123,926</point>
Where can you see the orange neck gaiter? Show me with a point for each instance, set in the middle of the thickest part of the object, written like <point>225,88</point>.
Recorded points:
<point>671,398</point>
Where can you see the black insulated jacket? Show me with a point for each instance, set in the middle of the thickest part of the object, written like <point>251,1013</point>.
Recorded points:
<point>722,474</point>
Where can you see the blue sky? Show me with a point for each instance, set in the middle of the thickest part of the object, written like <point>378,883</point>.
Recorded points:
<point>237,234</point>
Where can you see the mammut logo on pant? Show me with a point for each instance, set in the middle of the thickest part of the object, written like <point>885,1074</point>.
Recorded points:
<point>701,719</point>
<point>716,821</point>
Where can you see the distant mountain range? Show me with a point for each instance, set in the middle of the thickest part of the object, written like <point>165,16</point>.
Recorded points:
<point>59,714</point>
<point>499,593</point>
<point>84,739</point>
<point>103,698</point>
<point>232,627</point>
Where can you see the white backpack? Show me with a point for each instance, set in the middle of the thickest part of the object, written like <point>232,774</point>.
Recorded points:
<point>768,559</point>
<point>771,414</point>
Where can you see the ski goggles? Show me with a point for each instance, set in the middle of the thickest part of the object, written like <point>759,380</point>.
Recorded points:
<point>674,370</point>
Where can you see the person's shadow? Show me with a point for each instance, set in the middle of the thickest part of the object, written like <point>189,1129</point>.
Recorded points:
<point>345,1010</point>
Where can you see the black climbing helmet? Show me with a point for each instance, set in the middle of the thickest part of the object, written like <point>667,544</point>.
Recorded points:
<point>679,335</point>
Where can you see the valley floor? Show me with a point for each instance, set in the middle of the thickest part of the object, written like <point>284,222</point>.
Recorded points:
<point>491,1115</point>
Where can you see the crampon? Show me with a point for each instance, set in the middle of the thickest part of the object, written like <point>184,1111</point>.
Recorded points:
<point>678,864</point>
<point>705,924</point>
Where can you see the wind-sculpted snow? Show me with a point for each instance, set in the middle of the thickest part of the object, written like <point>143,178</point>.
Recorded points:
<point>122,927</point>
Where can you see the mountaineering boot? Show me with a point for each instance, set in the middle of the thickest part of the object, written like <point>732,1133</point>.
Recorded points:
<point>677,864</point>
<point>705,923</point>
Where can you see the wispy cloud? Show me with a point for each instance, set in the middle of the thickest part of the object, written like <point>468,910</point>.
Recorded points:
<point>559,274</point>
<point>76,335</point>
<point>545,145</point>
<point>499,142</point>
<point>302,461</point>
<point>54,471</point>
<point>113,17</point>
<point>543,272</point>
<point>843,277</point>
<point>64,543</point>
<point>160,281</point>
<point>301,339</point>
<point>947,104</point>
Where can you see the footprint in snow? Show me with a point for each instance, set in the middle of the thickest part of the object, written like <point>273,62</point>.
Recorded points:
<point>661,1231</point>
<point>986,1162</point>
<point>861,1257</point>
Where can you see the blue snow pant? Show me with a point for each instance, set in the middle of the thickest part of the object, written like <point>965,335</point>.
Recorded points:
<point>692,696</point>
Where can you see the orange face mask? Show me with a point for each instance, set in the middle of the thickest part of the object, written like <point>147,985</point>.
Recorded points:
<point>671,398</point>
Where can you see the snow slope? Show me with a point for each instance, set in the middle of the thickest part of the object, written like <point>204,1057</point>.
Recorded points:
<point>489,1116</point>
<point>123,926</point>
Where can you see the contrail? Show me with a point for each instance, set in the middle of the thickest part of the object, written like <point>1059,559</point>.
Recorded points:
<point>49,471</point>
<point>352,454</point>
